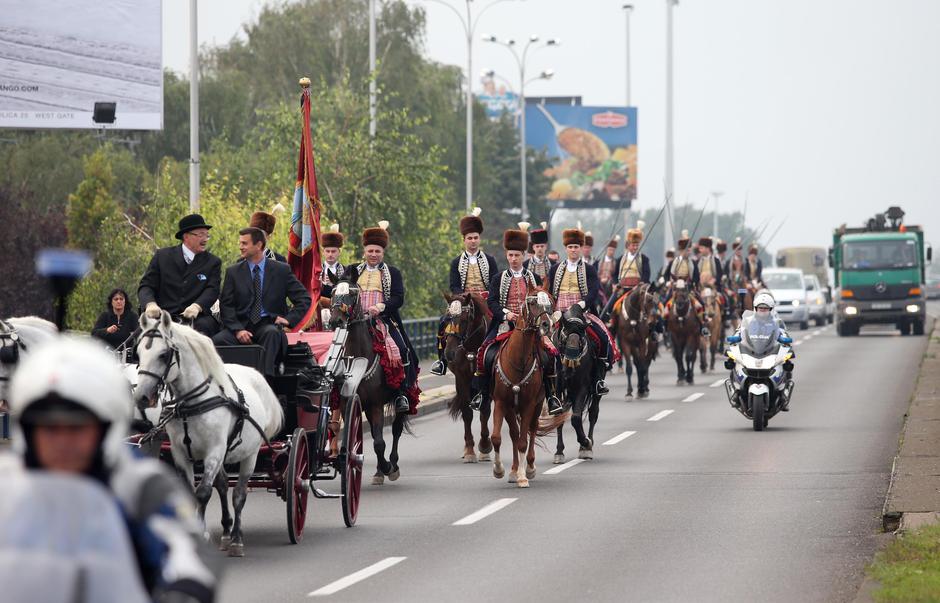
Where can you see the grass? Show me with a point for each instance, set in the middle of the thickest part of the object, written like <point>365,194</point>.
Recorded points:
<point>909,568</point>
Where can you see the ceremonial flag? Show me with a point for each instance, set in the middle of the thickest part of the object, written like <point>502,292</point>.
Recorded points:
<point>303,251</point>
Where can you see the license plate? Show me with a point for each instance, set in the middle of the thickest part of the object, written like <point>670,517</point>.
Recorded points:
<point>881,306</point>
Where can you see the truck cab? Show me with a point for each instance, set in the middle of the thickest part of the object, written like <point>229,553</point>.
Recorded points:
<point>880,275</point>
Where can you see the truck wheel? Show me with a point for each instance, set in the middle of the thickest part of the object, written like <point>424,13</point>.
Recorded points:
<point>918,327</point>
<point>840,329</point>
<point>904,327</point>
<point>820,321</point>
<point>804,325</point>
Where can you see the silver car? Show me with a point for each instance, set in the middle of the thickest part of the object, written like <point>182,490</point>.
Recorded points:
<point>788,288</point>
<point>820,310</point>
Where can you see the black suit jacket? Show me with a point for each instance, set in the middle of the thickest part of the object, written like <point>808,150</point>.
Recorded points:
<point>279,285</point>
<point>173,284</point>
<point>591,280</point>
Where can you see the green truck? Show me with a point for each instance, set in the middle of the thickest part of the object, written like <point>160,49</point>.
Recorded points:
<point>880,274</point>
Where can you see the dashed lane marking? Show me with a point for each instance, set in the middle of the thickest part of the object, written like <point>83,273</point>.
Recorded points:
<point>693,397</point>
<point>485,511</point>
<point>661,415</point>
<point>561,468</point>
<point>618,438</point>
<point>375,568</point>
<point>796,343</point>
<point>718,383</point>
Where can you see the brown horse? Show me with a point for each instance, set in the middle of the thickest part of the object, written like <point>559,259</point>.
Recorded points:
<point>634,327</point>
<point>469,322</point>
<point>685,330</point>
<point>715,324</point>
<point>517,391</point>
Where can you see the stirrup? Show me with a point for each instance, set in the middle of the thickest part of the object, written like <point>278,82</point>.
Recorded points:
<point>601,388</point>
<point>554,406</point>
<point>439,368</point>
<point>476,402</point>
<point>402,405</point>
<point>705,332</point>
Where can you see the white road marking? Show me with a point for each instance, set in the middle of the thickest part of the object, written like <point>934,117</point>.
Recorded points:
<point>661,415</point>
<point>718,383</point>
<point>335,587</point>
<point>561,468</point>
<point>618,438</point>
<point>694,397</point>
<point>796,343</point>
<point>485,511</point>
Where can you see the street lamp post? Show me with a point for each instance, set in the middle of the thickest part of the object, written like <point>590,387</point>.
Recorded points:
<point>669,173</point>
<point>193,109</point>
<point>372,99</point>
<point>716,195</point>
<point>627,9</point>
<point>544,75</point>
<point>469,26</point>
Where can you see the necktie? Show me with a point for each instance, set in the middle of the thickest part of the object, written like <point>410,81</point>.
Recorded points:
<point>255,314</point>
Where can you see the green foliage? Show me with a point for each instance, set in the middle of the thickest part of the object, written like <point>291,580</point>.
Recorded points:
<point>92,203</point>
<point>909,568</point>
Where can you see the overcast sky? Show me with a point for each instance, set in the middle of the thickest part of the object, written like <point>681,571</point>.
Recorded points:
<point>823,112</point>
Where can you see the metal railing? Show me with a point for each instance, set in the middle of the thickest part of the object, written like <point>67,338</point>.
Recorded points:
<point>423,335</point>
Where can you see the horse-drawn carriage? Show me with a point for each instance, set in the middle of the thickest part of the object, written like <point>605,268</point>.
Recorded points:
<point>292,460</point>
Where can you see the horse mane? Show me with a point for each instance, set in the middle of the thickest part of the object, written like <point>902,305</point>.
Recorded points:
<point>34,322</point>
<point>478,304</point>
<point>206,355</point>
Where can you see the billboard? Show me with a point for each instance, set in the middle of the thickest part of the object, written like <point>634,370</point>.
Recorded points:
<point>60,57</point>
<point>592,149</point>
<point>497,99</point>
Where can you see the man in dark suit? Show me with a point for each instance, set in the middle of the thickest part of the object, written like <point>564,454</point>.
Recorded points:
<point>253,303</point>
<point>185,279</point>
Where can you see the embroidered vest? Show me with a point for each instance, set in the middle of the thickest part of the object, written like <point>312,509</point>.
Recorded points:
<point>682,268</point>
<point>506,281</point>
<point>474,277</point>
<point>370,280</point>
<point>538,268</point>
<point>569,282</point>
<point>630,268</point>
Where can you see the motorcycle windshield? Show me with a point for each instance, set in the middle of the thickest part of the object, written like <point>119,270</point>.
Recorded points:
<point>759,335</point>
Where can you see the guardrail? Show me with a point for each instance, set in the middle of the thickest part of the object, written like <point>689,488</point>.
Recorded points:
<point>423,335</point>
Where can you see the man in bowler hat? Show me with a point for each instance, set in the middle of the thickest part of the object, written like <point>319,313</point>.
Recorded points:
<point>185,280</point>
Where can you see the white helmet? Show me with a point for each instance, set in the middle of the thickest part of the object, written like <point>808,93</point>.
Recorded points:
<point>765,299</point>
<point>80,371</point>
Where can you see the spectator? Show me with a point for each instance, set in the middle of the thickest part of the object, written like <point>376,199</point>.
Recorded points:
<point>553,256</point>
<point>117,322</point>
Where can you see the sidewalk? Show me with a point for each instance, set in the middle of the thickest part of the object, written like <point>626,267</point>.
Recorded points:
<point>914,493</point>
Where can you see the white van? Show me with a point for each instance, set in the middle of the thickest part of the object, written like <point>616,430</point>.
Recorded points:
<point>789,290</point>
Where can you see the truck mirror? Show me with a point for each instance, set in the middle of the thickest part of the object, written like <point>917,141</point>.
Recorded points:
<point>832,263</point>
<point>929,254</point>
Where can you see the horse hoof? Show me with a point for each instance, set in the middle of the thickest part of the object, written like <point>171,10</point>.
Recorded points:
<point>559,459</point>
<point>530,472</point>
<point>224,543</point>
<point>586,454</point>
<point>484,457</point>
<point>378,480</point>
<point>523,483</point>
<point>513,477</point>
<point>236,549</point>
<point>644,395</point>
<point>680,381</point>
<point>498,473</point>
<point>394,475</point>
<point>469,458</point>
<point>628,395</point>
<point>486,447</point>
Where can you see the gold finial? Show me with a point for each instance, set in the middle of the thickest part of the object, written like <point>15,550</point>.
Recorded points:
<point>304,82</point>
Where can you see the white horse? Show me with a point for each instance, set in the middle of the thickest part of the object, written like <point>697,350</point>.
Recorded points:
<point>19,337</point>
<point>189,365</point>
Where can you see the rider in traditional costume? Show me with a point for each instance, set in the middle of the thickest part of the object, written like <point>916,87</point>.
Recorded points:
<point>632,269</point>
<point>754,267</point>
<point>382,294</point>
<point>538,263</point>
<point>685,270</point>
<point>508,290</point>
<point>607,270</point>
<point>470,271</point>
<point>587,250</point>
<point>266,222</point>
<point>331,245</point>
<point>575,282</point>
<point>663,275</point>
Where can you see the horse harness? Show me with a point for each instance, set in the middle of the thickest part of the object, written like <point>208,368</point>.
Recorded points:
<point>10,346</point>
<point>452,330</point>
<point>177,408</point>
<point>504,378</point>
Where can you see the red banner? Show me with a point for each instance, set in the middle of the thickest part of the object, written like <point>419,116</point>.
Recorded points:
<point>303,253</point>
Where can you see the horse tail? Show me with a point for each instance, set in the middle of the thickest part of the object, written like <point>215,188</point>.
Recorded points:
<point>455,407</point>
<point>550,424</point>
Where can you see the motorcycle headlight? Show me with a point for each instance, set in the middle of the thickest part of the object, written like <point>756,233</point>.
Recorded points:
<point>796,303</point>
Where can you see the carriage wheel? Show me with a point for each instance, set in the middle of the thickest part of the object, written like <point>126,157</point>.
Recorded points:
<point>295,485</point>
<point>352,457</point>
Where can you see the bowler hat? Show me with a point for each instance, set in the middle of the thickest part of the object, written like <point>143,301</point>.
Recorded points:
<point>191,222</point>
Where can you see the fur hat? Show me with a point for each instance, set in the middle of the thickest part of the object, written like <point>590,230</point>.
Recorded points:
<point>721,246</point>
<point>572,236</point>
<point>517,240</point>
<point>539,236</point>
<point>671,252</point>
<point>264,220</point>
<point>614,242</point>
<point>752,249</point>
<point>376,236</point>
<point>736,244</point>
<point>332,237</point>
<point>588,239</point>
<point>471,223</point>
<point>635,235</point>
<point>684,240</point>
<point>705,242</point>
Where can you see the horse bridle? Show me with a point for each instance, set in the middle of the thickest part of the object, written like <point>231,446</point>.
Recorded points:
<point>470,311</point>
<point>170,357</point>
<point>544,311</point>
<point>10,346</point>
<point>348,304</point>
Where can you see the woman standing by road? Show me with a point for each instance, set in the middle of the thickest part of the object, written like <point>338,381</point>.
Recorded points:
<point>116,323</point>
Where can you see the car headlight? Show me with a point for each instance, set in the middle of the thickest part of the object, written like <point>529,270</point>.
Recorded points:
<point>913,308</point>
<point>851,310</point>
<point>819,301</point>
<point>796,303</point>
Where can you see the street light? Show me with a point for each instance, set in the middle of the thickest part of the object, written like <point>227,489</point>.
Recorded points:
<point>715,195</point>
<point>670,174</point>
<point>544,75</point>
<point>469,27</point>
<point>627,9</point>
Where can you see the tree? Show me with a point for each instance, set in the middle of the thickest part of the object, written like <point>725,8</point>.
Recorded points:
<point>92,203</point>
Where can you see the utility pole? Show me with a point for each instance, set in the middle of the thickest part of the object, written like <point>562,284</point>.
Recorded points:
<point>193,109</point>
<point>627,9</point>
<point>372,100</point>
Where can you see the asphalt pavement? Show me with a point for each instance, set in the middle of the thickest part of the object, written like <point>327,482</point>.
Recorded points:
<point>691,506</point>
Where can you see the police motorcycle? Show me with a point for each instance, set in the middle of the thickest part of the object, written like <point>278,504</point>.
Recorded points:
<point>759,358</point>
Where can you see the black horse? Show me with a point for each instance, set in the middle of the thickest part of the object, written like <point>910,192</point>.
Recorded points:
<point>375,394</point>
<point>580,370</point>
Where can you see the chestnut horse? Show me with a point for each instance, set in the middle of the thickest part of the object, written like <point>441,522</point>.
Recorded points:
<point>685,331</point>
<point>517,391</point>
<point>469,322</point>
<point>634,327</point>
<point>716,326</point>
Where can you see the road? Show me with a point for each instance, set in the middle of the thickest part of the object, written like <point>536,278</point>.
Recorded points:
<point>694,506</point>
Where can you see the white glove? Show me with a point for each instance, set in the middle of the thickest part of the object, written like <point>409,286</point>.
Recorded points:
<point>152,310</point>
<point>583,304</point>
<point>192,311</point>
<point>325,316</point>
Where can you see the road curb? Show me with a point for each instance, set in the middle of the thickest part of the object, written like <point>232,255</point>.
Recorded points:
<point>915,475</point>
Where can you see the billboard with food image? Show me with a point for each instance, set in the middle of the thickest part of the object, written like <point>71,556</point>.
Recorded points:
<point>593,151</point>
